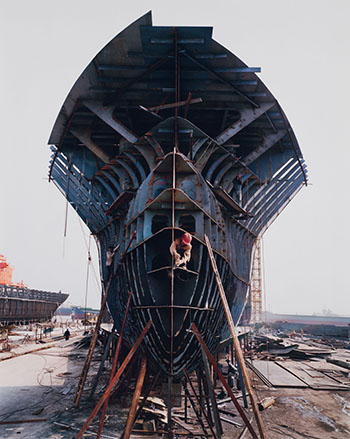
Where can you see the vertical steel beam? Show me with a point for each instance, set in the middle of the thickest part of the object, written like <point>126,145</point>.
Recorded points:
<point>218,426</point>
<point>244,393</point>
<point>205,396</point>
<point>177,89</point>
<point>169,405</point>
<point>223,381</point>
<point>200,403</point>
<point>184,384</point>
<point>104,357</point>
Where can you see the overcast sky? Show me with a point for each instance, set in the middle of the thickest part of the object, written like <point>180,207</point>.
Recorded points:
<point>302,47</point>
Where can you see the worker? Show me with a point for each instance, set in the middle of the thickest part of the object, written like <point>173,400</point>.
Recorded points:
<point>180,249</point>
<point>109,259</point>
<point>232,373</point>
<point>67,334</point>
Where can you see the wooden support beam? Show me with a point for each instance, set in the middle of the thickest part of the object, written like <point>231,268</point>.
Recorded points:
<point>187,393</point>
<point>135,400</point>
<point>214,407</point>
<point>244,431</point>
<point>200,404</point>
<point>223,381</point>
<point>103,359</point>
<point>235,340</point>
<point>114,364</point>
<point>149,390</point>
<point>88,359</point>
<point>114,381</point>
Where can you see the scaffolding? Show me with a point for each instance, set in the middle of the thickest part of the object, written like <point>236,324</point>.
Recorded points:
<point>256,285</point>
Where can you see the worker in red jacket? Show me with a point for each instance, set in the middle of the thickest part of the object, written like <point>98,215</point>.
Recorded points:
<point>180,249</point>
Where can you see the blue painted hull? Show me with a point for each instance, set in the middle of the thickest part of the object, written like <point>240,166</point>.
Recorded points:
<point>167,132</point>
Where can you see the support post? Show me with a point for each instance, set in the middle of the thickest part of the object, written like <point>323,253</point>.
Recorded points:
<point>218,426</point>
<point>114,364</point>
<point>104,357</point>
<point>244,393</point>
<point>169,402</point>
<point>194,408</point>
<point>200,404</point>
<point>88,359</point>
<point>224,382</point>
<point>205,396</point>
<point>114,381</point>
<point>199,382</point>
<point>135,400</point>
<point>236,341</point>
<point>149,390</point>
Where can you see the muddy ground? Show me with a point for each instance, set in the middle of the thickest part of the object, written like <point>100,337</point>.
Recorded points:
<point>41,385</point>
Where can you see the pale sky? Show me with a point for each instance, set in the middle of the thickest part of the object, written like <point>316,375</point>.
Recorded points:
<point>302,47</point>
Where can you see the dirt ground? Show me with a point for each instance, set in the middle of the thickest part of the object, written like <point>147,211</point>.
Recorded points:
<point>41,385</point>
<point>306,413</point>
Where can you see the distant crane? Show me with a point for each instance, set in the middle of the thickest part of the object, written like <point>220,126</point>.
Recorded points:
<point>256,285</point>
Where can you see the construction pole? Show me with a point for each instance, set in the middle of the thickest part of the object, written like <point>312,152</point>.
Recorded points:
<point>101,367</point>
<point>200,404</point>
<point>114,381</point>
<point>114,364</point>
<point>144,400</point>
<point>210,385</point>
<point>135,400</point>
<point>88,359</point>
<point>236,341</point>
<point>201,423</point>
<point>224,382</point>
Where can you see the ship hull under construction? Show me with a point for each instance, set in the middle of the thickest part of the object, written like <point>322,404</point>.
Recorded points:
<point>166,132</point>
<point>19,305</point>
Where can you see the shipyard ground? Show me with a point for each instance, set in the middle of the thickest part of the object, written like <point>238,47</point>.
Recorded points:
<point>40,385</point>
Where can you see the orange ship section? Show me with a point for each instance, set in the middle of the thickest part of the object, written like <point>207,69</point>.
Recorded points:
<point>6,273</point>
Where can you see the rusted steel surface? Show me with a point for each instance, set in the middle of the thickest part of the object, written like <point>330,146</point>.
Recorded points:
<point>21,304</point>
<point>18,303</point>
<point>225,166</point>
